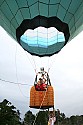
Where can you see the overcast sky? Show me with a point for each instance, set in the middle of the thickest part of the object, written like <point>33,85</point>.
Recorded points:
<point>66,74</point>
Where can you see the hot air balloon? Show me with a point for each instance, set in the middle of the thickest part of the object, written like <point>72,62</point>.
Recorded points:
<point>17,16</point>
<point>42,27</point>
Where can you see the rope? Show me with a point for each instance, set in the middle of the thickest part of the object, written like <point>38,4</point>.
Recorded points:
<point>31,62</point>
<point>40,107</point>
<point>34,66</point>
<point>32,57</point>
<point>52,63</point>
<point>3,80</point>
<point>16,73</point>
<point>22,92</point>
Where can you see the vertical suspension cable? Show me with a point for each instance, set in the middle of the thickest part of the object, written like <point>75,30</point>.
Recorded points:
<point>17,74</point>
<point>48,35</point>
<point>34,65</point>
<point>40,107</point>
<point>47,44</point>
<point>31,56</point>
<point>28,58</point>
<point>16,63</point>
<point>51,64</point>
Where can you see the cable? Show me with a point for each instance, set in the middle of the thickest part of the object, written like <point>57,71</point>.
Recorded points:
<point>40,107</point>
<point>52,63</point>
<point>31,62</point>
<point>11,82</point>
<point>17,75</point>
<point>31,56</point>
<point>16,84</point>
<point>22,92</point>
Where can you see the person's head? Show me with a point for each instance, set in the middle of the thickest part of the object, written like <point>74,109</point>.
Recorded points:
<point>41,80</point>
<point>42,69</point>
<point>51,114</point>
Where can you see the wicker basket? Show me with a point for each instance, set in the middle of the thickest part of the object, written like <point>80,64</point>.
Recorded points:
<point>42,99</point>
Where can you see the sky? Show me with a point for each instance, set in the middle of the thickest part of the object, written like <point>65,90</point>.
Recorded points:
<point>65,71</point>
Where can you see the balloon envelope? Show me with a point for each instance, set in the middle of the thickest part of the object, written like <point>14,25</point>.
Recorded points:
<point>21,19</point>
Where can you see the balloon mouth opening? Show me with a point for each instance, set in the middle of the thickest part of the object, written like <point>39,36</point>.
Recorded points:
<point>42,37</point>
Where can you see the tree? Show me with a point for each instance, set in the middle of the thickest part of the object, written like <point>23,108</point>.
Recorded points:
<point>29,118</point>
<point>42,118</point>
<point>8,114</point>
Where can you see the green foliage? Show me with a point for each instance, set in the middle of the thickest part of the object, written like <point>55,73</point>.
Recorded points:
<point>29,118</point>
<point>73,120</point>
<point>8,114</point>
<point>42,118</point>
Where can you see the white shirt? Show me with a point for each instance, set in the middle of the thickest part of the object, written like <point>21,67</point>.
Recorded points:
<point>52,120</point>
